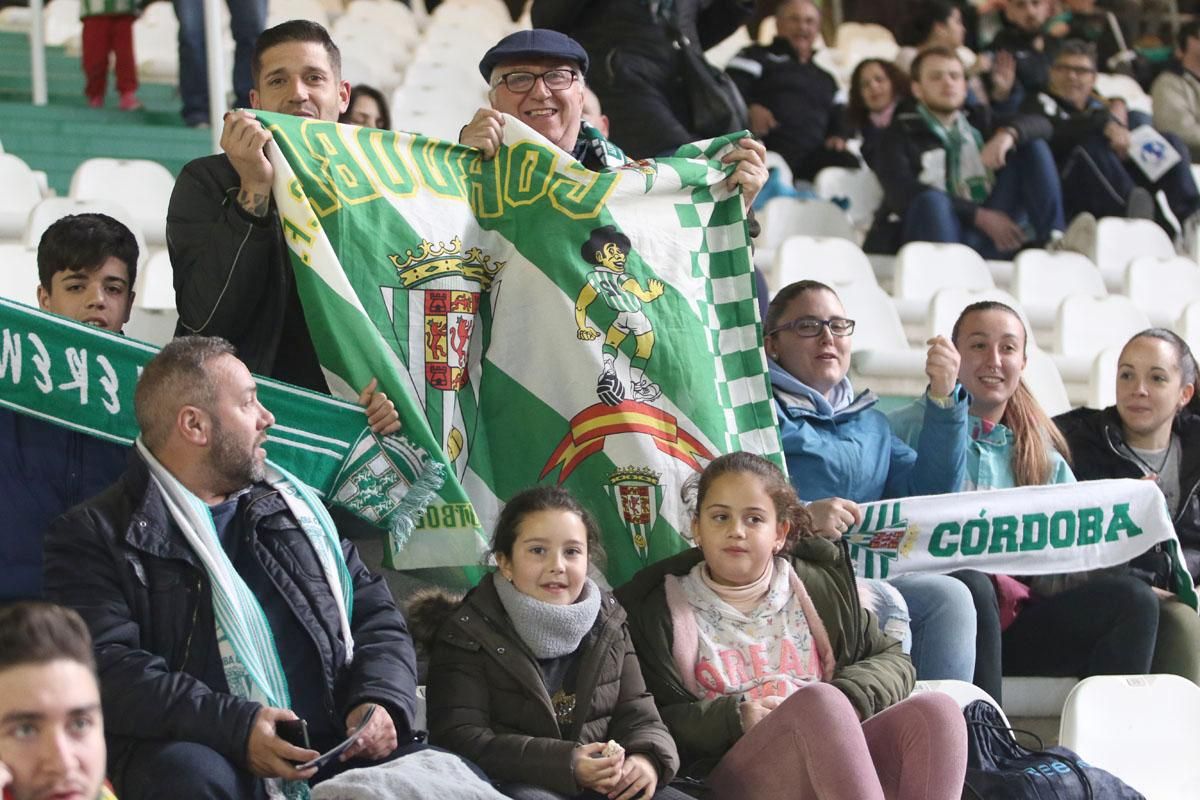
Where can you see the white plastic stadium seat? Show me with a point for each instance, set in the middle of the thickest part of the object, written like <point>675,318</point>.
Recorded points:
<point>1118,241</point>
<point>18,273</point>
<point>1044,381</point>
<point>1188,325</point>
<point>963,693</point>
<point>1041,280</point>
<point>141,187</point>
<point>1087,325</point>
<point>881,358</point>
<point>859,186</point>
<point>53,208</point>
<point>1162,286</point>
<point>946,305</point>
<point>1109,86</point>
<point>1036,696</point>
<point>924,267</point>
<point>21,193</point>
<point>1141,728</point>
<point>1102,379</point>
<point>782,217</point>
<point>830,260</point>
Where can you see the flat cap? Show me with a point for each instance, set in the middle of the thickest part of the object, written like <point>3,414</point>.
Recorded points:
<point>536,43</point>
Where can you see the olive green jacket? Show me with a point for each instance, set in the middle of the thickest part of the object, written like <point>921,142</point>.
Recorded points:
<point>871,668</point>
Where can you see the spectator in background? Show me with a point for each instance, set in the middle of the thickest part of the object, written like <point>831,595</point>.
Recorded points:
<point>223,601</point>
<point>939,23</point>
<point>1091,145</point>
<point>51,723</point>
<point>877,88</point>
<point>1176,91</point>
<point>367,108</point>
<point>964,174</point>
<point>1085,20</point>
<point>1023,36</point>
<point>87,266</point>
<point>639,75</point>
<point>790,98</point>
<point>108,28</point>
<point>247,19</point>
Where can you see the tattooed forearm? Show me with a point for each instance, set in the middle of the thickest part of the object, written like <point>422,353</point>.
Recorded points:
<point>254,202</point>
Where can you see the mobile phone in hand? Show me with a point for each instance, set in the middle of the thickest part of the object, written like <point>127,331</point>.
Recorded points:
<point>293,731</point>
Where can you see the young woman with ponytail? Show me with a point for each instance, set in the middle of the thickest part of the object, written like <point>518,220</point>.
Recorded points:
<point>1069,625</point>
<point>1153,432</point>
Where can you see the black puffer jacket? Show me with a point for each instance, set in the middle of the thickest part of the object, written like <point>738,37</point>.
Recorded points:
<point>635,69</point>
<point>119,561</point>
<point>1096,452</point>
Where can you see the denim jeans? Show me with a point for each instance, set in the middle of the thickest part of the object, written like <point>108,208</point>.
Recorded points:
<point>1027,189</point>
<point>248,18</point>
<point>941,617</point>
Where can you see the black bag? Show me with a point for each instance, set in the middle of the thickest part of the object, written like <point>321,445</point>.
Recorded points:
<point>998,768</point>
<point>714,102</point>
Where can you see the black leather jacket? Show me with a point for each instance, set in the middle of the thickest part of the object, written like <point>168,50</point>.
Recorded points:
<point>119,561</point>
<point>1095,440</point>
<point>232,275</point>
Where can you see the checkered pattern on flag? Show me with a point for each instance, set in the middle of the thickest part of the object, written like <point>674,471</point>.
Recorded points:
<point>535,322</point>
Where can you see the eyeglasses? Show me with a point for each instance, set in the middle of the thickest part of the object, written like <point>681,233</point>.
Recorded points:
<point>808,327</point>
<point>1079,72</point>
<point>522,82</point>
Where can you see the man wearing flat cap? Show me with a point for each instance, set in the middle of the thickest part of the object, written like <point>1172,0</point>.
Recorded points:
<point>537,77</point>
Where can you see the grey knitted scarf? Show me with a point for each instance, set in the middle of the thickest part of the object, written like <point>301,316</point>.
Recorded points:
<point>550,630</point>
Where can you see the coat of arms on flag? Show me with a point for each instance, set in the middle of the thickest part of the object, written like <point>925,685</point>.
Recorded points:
<point>638,495</point>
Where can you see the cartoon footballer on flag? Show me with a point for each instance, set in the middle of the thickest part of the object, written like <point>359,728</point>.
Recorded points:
<point>542,322</point>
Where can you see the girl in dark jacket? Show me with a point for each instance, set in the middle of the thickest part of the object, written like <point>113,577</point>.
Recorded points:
<point>764,665</point>
<point>1152,432</point>
<point>533,676</point>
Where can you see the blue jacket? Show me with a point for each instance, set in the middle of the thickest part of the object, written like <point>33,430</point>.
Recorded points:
<point>852,453</point>
<point>44,470</point>
<point>989,450</point>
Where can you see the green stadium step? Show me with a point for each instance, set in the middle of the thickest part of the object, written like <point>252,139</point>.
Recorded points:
<point>58,137</point>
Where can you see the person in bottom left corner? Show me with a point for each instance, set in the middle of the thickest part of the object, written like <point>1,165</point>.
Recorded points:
<point>51,725</point>
<point>222,601</point>
<point>533,675</point>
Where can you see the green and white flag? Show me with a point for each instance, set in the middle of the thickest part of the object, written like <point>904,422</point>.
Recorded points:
<point>552,325</point>
<point>1031,530</point>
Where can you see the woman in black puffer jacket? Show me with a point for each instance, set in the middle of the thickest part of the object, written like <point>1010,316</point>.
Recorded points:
<point>1152,432</point>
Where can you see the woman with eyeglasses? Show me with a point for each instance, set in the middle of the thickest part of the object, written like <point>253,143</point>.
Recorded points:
<point>840,452</point>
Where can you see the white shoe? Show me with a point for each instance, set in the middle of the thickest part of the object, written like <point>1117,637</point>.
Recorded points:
<point>646,391</point>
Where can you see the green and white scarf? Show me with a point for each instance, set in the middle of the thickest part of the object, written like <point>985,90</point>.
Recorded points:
<point>966,176</point>
<point>247,644</point>
<point>611,156</point>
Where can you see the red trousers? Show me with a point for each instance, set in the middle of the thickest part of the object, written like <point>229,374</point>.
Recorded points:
<point>103,35</point>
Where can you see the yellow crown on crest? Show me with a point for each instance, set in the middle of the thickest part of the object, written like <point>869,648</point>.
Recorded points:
<point>635,475</point>
<point>438,260</point>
